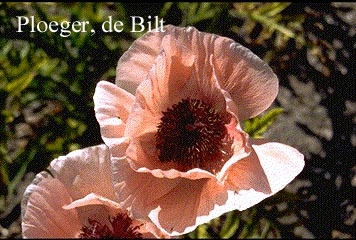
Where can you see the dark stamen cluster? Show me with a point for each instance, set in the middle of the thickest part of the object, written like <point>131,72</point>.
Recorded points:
<point>121,228</point>
<point>191,132</point>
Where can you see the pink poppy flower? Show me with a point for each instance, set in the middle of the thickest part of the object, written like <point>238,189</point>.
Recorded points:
<point>179,154</point>
<point>76,199</point>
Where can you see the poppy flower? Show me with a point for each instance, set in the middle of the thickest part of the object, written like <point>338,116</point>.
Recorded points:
<point>179,153</point>
<point>75,199</point>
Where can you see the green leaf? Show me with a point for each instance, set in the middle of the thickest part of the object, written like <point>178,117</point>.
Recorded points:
<point>197,12</point>
<point>265,230</point>
<point>255,127</point>
<point>165,8</point>
<point>230,225</point>
<point>16,86</point>
<point>202,232</point>
<point>272,9</point>
<point>5,50</point>
<point>249,225</point>
<point>4,172</point>
<point>273,24</point>
<point>272,19</point>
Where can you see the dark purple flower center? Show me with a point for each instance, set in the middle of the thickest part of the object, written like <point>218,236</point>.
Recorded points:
<point>192,133</point>
<point>121,227</point>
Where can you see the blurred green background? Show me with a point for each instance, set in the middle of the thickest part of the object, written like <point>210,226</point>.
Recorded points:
<point>46,100</point>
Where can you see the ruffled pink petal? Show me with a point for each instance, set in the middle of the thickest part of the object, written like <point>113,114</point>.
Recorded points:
<point>85,171</point>
<point>140,58</point>
<point>42,213</point>
<point>281,163</point>
<point>142,192</point>
<point>269,168</point>
<point>250,81</point>
<point>167,81</point>
<point>94,199</point>
<point>170,74</point>
<point>132,187</point>
<point>247,174</point>
<point>96,207</point>
<point>177,206</point>
<point>249,181</point>
<point>167,54</point>
<point>112,106</point>
<point>150,230</point>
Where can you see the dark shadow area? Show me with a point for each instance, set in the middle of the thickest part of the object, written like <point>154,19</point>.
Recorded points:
<point>330,200</point>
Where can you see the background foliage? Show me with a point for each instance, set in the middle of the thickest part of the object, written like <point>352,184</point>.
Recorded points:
<point>47,83</point>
